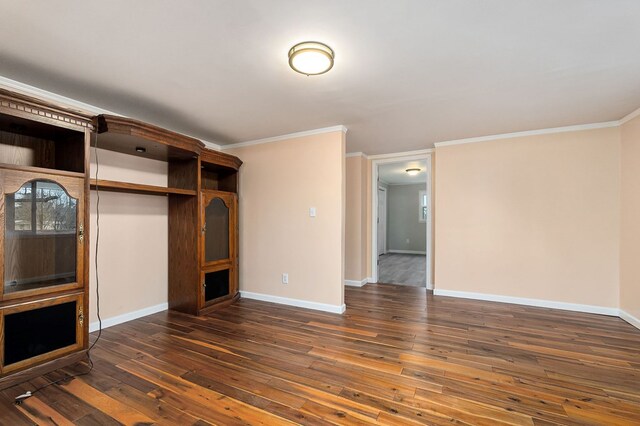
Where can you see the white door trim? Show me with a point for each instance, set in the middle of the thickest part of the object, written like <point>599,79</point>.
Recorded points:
<point>384,222</point>
<point>394,158</point>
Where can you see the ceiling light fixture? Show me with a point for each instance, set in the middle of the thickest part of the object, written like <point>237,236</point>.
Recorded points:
<point>311,58</point>
<point>413,171</point>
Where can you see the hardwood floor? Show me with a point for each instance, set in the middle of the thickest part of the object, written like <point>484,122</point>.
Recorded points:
<point>404,269</point>
<point>398,356</point>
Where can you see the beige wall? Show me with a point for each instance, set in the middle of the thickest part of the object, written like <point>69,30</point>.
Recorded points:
<point>356,219</point>
<point>630,219</point>
<point>531,217</point>
<point>133,251</point>
<point>279,182</point>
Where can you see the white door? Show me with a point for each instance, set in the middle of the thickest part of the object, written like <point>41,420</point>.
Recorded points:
<point>382,221</point>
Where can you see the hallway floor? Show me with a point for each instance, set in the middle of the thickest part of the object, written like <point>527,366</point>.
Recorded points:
<point>405,269</point>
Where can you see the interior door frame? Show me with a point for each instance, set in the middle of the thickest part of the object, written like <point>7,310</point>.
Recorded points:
<point>384,249</point>
<point>376,161</point>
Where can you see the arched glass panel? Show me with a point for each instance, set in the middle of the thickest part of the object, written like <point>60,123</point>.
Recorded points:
<point>216,236</point>
<point>40,242</point>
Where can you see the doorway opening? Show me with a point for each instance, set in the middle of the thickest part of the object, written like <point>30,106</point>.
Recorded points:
<point>401,231</point>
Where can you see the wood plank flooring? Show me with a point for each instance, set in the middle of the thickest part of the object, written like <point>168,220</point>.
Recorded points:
<point>398,356</point>
<point>404,269</point>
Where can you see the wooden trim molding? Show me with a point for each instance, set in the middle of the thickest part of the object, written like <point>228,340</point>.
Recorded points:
<point>220,158</point>
<point>130,127</point>
<point>137,188</point>
<point>35,109</point>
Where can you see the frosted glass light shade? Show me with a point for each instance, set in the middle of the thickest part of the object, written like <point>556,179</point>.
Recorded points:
<point>311,58</point>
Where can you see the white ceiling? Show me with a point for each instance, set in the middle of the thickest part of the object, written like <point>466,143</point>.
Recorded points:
<point>407,73</point>
<point>396,173</point>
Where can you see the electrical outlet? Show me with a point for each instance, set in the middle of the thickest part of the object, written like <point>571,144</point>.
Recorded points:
<point>285,278</point>
<point>408,240</point>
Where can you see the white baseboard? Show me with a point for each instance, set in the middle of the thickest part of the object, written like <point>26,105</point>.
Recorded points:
<point>591,309</point>
<point>407,252</point>
<point>630,318</point>
<point>353,283</point>
<point>119,319</point>
<point>334,309</point>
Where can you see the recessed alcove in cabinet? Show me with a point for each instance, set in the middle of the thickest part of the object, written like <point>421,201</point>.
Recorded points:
<point>25,143</point>
<point>216,284</point>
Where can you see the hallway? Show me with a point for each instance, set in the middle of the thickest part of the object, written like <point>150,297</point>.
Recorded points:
<point>405,269</point>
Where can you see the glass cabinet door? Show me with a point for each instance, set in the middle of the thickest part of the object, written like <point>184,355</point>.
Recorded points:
<point>218,226</point>
<point>42,237</point>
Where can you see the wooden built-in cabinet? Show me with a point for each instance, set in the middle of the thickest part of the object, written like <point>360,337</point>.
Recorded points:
<point>203,209</point>
<point>203,234</point>
<point>44,241</point>
<point>44,189</point>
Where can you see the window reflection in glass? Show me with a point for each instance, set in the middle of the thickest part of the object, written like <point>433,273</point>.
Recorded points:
<point>40,237</point>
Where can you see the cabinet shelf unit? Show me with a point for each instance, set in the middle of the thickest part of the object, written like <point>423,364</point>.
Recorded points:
<point>44,246</point>
<point>136,188</point>
<point>203,240</point>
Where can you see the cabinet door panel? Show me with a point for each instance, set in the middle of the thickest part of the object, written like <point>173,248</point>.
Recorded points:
<point>219,227</point>
<point>43,238</point>
<point>40,331</point>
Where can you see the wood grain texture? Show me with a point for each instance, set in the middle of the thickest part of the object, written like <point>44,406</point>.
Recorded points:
<point>47,141</point>
<point>31,108</point>
<point>214,157</point>
<point>137,188</point>
<point>398,356</point>
<point>124,134</point>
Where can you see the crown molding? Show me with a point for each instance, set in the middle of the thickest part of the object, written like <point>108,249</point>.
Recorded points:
<point>630,116</point>
<point>28,90</point>
<point>576,128</point>
<point>212,145</point>
<point>339,128</point>
<point>356,154</point>
<point>400,154</point>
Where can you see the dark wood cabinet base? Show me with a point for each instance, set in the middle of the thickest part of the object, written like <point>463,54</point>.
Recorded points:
<point>23,376</point>
<point>219,305</point>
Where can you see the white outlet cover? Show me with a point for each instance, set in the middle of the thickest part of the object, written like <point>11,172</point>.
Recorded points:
<point>312,211</point>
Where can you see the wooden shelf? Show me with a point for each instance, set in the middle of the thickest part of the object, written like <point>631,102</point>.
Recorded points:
<point>32,169</point>
<point>136,188</point>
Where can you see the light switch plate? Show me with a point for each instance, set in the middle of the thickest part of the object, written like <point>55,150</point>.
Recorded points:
<point>312,211</point>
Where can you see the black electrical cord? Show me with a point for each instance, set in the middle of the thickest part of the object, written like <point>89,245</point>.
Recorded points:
<point>28,394</point>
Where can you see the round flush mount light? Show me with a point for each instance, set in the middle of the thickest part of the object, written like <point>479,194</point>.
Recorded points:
<point>413,171</point>
<point>141,149</point>
<point>311,58</point>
